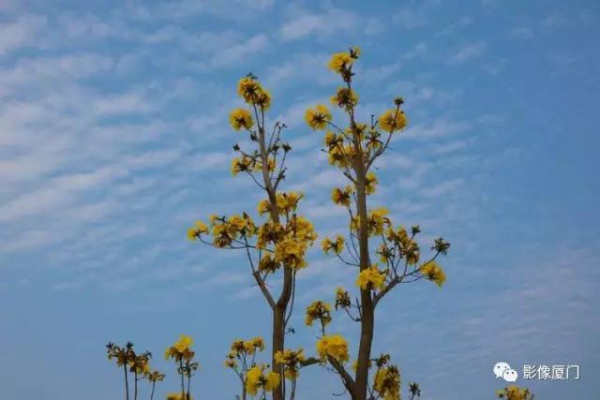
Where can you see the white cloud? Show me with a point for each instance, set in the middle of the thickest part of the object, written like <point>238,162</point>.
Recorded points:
<point>521,33</point>
<point>409,19</point>
<point>21,33</point>
<point>327,22</point>
<point>554,21</point>
<point>436,128</point>
<point>467,53</point>
<point>233,54</point>
<point>443,188</point>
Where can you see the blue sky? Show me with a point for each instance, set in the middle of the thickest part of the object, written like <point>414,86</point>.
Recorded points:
<point>114,137</point>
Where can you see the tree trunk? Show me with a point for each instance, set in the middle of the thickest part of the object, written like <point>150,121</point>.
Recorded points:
<point>368,312</point>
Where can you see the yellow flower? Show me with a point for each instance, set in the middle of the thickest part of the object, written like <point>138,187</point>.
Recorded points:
<point>178,396</point>
<point>198,229</point>
<point>387,383</point>
<point>371,182</point>
<point>287,202</point>
<point>273,381</point>
<point>342,298</point>
<point>371,278</point>
<point>335,247</point>
<point>513,392</point>
<point>248,88</point>
<point>240,118</point>
<point>264,206</point>
<point>331,139</point>
<point>184,343</point>
<point>377,220</point>
<point>340,62</point>
<point>342,197</point>
<point>290,253</point>
<point>253,93</point>
<point>291,362</point>
<point>318,310</point>
<point>248,346</point>
<point>392,120</point>
<point>242,164</point>
<point>334,346</point>
<point>318,118</point>
<point>433,272</point>
<point>345,97</point>
<point>255,379</point>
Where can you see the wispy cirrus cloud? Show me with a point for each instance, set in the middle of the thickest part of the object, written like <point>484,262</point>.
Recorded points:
<point>330,20</point>
<point>467,53</point>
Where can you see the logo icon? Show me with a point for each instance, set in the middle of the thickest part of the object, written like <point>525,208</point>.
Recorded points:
<point>504,371</point>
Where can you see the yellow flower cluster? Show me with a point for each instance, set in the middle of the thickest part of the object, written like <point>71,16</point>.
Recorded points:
<point>342,298</point>
<point>377,220</point>
<point>242,348</point>
<point>392,120</point>
<point>291,242</point>
<point>156,376</point>
<point>371,278</point>
<point>387,382</point>
<point>257,379</point>
<point>318,310</point>
<point>179,396</point>
<point>225,230</point>
<point>181,350</point>
<point>291,361</point>
<point>197,230</point>
<point>342,197</point>
<point>240,118</point>
<point>140,365</point>
<point>335,346</point>
<point>513,392</point>
<point>342,156</point>
<point>342,62</point>
<point>287,202</point>
<point>400,246</point>
<point>318,118</point>
<point>253,93</point>
<point>345,98</point>
<point>372,182</point>
<point>250,164</point>
<point>336,246</point>
<point>433,272</point>
<point>268,264</point>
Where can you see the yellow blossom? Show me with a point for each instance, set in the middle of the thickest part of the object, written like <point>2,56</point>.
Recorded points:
<point>387,383</point>
<point>318,310</point>
<point>198,229</point>
<point>335,346</point>
<point>371,278</point>
<point>342,298</point>
<point>345,97</point>
<point>184,343</point>
<point>372,182</point>
<point>342,197</point>
<point>290,253</point>
<point>268,264</point>
<point>392,120</point>
<point>256,379</point>
<point>291,361</point>
<point>178,396</point>
<point>318,118</point>
<point>264,206</point>
<point>340,62</point>
<point>433,272</point>
<point>333,246</point>
<point>240,118</point>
